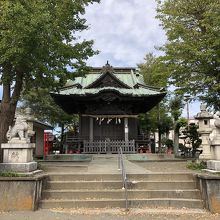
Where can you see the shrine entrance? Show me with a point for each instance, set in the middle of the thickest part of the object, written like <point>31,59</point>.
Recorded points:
<point>108,129</point>
<point>108,101</point>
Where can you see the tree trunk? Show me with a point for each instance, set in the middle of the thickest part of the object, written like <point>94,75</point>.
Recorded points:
<point>7,112</point>
<point>8,105</point>
<point>176,139</point>
<point>159,142</point>
<point>62,139</point>
<point>159,128</point>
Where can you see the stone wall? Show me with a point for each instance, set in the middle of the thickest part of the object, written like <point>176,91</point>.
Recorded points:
<point>20,193</point>
<point>210,190</point>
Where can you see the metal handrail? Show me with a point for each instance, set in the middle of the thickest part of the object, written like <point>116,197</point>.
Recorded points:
<point>124,175</point>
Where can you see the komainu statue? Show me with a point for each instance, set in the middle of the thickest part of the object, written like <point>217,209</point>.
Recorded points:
<point>20,131</point>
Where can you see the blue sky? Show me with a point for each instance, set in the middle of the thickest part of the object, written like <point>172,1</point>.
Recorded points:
<point>124,31</point>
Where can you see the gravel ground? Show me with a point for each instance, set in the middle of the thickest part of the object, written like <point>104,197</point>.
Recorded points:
<point>164,166</point>
<point>113,214</point>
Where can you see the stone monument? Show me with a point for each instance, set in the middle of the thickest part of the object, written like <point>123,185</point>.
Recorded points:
<point>18,152</point>
<point>215,146</point>
<point>204,130</point>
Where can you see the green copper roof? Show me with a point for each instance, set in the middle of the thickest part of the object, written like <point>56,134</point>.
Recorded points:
<point>133,83</point>
<point>131,92</point>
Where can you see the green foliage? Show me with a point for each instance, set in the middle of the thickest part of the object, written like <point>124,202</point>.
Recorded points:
<point>11,174</point>
<point>197,165</point>
<point>194,137</point>
<point>38,40</point>
<point>150,122</point>
<point>176,106</point>
<point>192,49</point>
<point>45,109</point>
<point>155,74</point>
<point>181,147</point>
<point>182,122</point>
<point>169,143</point>
<point>154,71</point>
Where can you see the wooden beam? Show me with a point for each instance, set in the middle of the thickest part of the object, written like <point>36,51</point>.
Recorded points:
<point>91,129</point>
<point>110,116</point>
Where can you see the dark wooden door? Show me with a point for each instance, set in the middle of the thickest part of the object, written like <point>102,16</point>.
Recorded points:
<point>108,129</point>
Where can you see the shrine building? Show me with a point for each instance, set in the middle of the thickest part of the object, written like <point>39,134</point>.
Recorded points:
<point>108,101</point>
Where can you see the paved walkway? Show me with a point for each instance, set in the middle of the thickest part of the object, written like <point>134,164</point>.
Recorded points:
<point>112,214</point>
<point>109,164</point>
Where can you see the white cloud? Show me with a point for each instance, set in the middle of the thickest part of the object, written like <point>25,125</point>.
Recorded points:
<point>124,31</point>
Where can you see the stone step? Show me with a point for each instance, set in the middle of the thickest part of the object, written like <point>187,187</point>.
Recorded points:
<point>119,194</point>
<point>156,185</point>
<point>69,157</point>
<point>52,169</point>
<point>110,203</point>
<point>130,177</point>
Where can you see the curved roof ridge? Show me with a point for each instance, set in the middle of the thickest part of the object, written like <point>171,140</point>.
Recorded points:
<point>151,87</point>
<point>134,78</point>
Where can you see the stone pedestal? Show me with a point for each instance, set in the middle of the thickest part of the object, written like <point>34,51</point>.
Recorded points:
<point>18,157</point>
<point>213,165</point>
<point>206,148</point>
<point>216,151</point>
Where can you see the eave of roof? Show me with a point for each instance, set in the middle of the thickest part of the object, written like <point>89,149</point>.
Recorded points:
<point>134,92</point>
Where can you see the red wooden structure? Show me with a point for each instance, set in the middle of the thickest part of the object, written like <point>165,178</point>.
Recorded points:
<point>48,142</point>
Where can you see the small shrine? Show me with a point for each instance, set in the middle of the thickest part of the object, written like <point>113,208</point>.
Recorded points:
<point>108,101</point>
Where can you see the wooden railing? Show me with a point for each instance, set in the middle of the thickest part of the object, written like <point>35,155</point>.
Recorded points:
<point>106,146</point>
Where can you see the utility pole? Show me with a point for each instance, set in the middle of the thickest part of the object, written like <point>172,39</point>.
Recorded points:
<point>187,98</point>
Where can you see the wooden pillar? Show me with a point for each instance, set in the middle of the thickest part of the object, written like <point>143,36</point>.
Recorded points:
<point>126,129</point>
<point>91,129</point>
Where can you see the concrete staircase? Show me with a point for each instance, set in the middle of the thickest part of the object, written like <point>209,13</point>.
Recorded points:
<point>105,190</point>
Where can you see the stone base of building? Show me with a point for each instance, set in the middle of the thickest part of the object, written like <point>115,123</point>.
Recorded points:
<point>205,157</point>
<point>213,165</point>
<point>216,151</point>
<point>18,167</point>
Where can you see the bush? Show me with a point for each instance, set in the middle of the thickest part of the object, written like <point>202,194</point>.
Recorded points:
<point>11,174</point>
<point>197,166</point>
<point>169,143</point>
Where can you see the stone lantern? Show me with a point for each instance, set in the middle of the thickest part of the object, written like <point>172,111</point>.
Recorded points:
<point>215,146</point>
<point>204,130</point>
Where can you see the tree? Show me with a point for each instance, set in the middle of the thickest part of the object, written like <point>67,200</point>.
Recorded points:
<point>154,71</point>
<point>194,137</point>
<point>45,109</point>
<point>192,50</point>
<point>155,74</point>
<point>39,46</point>
<point>149,121</point>
<point>176,106</point>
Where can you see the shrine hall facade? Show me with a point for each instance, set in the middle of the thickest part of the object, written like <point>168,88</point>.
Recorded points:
<point>108,101</point>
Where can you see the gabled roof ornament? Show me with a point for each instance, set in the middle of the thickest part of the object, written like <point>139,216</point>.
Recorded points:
<point>107,68</point>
